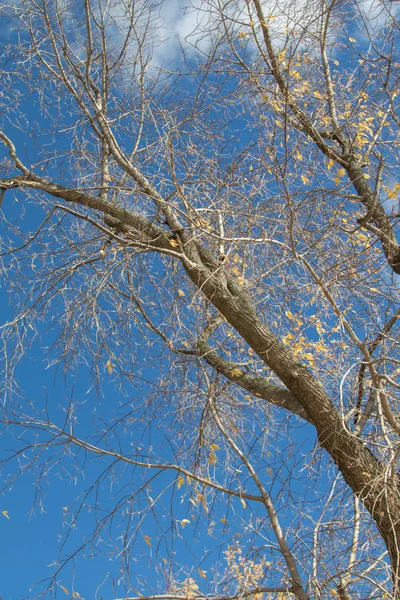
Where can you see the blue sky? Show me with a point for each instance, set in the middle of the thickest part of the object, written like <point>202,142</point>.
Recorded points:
<point>31,536</point>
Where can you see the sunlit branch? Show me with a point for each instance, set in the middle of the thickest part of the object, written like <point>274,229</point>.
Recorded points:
<point>116,455</point>
<point>297,587</point>
<point>255,384</point>
<point>372,346</point>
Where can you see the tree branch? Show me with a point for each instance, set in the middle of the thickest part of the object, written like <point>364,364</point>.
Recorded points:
<point>255,384</point>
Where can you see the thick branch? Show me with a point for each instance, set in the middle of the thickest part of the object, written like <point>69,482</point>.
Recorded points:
<point>128,221</point>
<point>361,470</point>
<point>255,384</point>
<point>384,229</point>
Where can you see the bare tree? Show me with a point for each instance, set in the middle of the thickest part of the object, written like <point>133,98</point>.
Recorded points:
<point>215,225</point>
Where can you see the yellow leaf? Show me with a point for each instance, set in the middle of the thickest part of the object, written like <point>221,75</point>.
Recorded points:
<point>236,372</point>
<point>289,314</point>
<point>174,243</point>
<point>305,179</point>
<point>214,447</point>
<point>223,521</point>
<point>203,501</point>
<point>109,366</point>
<point>202,573</point>
<point>181,293</point>
<point>64,589</point>
<point>336,62</point>
<point>180,482</point>
<point>5,513</point>
<point>334,592</point>
<point>184,522</point>
<point>352,40</point>
<point>392,194</point>
<point>243,503</point>
<point>340,173</point>
<point>318,94</point>
<point>331,162</point>
<point>212,459</point>
<point>309,358</point>
<point>147,540</point>
<point>287,339</point>
<point>362,237</point>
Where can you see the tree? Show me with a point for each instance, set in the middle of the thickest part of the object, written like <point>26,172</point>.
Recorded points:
<point>216,236</point>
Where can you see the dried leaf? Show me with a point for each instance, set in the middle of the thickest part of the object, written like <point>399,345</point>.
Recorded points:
<point>236,372</point>
<point>5,513</point>
<point>147,540</point>
<point>180,482</point>
<point>202,573</point>
<point>309,358</point>
<point>184,522</point>
<point>212,458</point>
<point>109,366</point>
